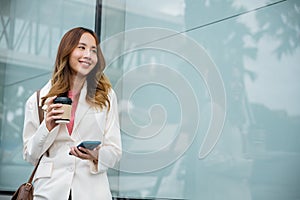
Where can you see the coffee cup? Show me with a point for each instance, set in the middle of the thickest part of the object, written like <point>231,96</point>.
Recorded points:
<point>66,106</point>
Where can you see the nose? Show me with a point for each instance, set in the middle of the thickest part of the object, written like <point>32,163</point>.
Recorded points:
<point>87,54</point>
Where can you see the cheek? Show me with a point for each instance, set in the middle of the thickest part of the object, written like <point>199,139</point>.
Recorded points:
<point>76,54</point>
<point>74,57</point>
<point>72,62</point>
<point>95,58</point>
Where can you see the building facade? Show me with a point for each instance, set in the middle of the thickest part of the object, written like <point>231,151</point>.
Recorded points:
<point>208,92</point>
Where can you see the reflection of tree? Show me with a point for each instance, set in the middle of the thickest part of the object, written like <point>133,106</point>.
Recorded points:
<point>11,129</point>
<point>13,102</point>
<point>228,48</point>
<point>225,42</point>
<point>273,21</point>
<point>279,20</point>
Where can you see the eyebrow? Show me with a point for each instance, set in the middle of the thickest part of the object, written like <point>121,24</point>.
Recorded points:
<point>81,43</point>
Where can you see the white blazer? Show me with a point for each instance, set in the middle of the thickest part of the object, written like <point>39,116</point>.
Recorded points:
<point>59,172</point>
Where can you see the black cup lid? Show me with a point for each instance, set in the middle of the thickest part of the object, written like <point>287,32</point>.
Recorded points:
<point>63,100</point>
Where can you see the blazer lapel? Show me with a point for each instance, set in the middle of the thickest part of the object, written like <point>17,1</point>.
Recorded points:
<point>82,107</point>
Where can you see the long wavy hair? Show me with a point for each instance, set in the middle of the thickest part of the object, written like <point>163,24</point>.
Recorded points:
<point>98,85</point>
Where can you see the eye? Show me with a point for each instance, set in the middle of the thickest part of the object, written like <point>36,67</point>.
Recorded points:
<point>81,47</point>
<point>94,51</point>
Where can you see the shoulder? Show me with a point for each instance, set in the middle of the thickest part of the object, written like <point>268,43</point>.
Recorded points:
<point>112,94</point>
<point>31,101</point>
<point>43,91</point>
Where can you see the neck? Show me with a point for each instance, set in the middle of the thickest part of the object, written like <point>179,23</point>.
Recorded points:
<point>77,84</point>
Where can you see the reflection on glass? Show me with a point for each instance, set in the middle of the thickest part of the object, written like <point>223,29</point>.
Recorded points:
<point>255,46</point>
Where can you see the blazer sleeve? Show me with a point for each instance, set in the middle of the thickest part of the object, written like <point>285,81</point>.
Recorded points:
<point>36,137</point>
<point>111,149</point>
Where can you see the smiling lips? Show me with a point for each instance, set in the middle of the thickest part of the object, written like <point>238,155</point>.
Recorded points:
<point>85,63</point>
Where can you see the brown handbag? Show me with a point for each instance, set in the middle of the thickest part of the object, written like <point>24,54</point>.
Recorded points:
<point>25,191</point>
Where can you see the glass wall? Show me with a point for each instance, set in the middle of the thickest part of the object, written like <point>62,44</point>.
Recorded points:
<point>208,96</point>
<point>208,92</point>
<point>30,31</point>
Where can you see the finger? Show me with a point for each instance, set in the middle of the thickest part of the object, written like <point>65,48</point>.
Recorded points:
<point>50,100</point>
<point>93,154</point>
<point>54,106</point>
<point>83,150</point>
<point>54,112</point>
<point>82,153</point>
<point>54,115</point>
<point>47,103</point>
<point>72,152</point>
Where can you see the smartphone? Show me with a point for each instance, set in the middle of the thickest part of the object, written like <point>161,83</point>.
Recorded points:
<point>89,144</point>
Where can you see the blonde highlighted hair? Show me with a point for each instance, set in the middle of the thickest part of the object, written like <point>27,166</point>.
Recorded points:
<point>98,85</point>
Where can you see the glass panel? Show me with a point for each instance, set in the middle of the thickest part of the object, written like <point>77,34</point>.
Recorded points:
<point>29,35</point>
<point>211,112</point>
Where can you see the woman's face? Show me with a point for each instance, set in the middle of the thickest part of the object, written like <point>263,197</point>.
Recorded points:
<point>84,57</point>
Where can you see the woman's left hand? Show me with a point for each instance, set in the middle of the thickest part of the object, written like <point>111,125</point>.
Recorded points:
<point>85,154</point>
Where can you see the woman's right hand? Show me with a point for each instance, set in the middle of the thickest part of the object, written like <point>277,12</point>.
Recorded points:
<point>53,112</point>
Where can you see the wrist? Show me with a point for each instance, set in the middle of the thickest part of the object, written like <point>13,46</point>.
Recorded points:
<point>95,161</point>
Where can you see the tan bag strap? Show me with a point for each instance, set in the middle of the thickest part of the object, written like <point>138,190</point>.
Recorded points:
<point>40,110</point>
<point>34,170</point>
<point>41,118</point>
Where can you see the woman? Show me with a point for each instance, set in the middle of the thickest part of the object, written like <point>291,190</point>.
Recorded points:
<point>64,170</point>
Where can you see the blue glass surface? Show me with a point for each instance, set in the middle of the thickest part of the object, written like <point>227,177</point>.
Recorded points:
<point>208,92</point>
